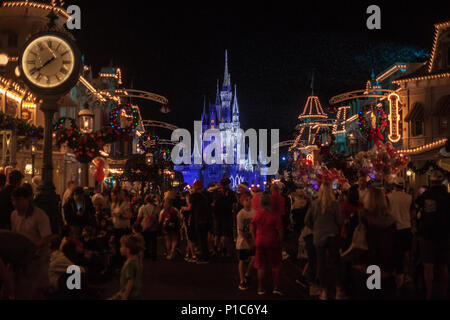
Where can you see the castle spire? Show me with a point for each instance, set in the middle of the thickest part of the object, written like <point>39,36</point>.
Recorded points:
<point>312,84</point>
<point>235,103</point>
<point>218,94</point>
<point>226,75</point>
<point>204,119</point>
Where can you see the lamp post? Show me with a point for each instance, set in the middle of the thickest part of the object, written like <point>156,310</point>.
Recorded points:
<point>86,124</point>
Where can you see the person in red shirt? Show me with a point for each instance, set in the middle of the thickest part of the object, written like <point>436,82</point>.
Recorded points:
<point>278,202</point>
<point>256,198</point>
<point>267,231</point>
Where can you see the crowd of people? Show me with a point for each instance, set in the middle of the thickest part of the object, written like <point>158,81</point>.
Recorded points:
<point>340,233</point>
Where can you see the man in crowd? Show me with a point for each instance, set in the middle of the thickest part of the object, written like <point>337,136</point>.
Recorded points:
<point>279,207</point>
<point>401,208</point>
<point>71,185</point>
<point>223,208</point>
<point>79,211</point>
<point>14,180</point>
<point>34,224</point>
<point>434,230</point>
<point>200,207</point>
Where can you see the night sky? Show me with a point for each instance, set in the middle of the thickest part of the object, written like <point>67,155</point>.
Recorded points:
<point>177,50</point>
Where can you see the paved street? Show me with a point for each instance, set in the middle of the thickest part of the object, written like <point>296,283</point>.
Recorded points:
<point>217,280</point>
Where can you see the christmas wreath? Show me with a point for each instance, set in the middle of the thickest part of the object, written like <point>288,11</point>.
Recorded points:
<point>376,132</point>
<point>124,118</point>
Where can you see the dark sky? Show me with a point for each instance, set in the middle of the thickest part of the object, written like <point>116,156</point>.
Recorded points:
<point>177,50</point>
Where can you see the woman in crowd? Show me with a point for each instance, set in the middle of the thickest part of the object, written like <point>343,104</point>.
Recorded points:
<point>120,213</point>
<point>168,219</point>
<point>380,230</point>
<point>267,233</point>
<point>148,217</point>
<point>325,220</point>
<point>350,208</point>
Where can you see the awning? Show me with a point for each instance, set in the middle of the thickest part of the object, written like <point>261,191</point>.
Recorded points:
<point>416,113</point>
<point>443,107</point>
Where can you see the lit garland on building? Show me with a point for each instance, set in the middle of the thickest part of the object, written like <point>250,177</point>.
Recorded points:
<point>429,164</point>
<point>25,131</point>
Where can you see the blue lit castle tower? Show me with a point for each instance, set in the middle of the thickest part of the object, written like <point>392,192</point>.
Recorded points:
<point>224,116</point>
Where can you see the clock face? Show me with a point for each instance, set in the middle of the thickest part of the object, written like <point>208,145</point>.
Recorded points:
<point>48,61</point>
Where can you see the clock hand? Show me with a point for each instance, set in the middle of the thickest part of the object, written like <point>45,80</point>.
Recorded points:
<point>46,63</point>
<point>52,52</point>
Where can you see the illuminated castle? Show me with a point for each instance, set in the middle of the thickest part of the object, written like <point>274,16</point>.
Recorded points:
<point>224,116</point>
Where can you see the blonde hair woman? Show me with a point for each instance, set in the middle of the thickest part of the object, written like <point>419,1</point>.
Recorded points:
<point>380,229</point>
<point>325,219</point>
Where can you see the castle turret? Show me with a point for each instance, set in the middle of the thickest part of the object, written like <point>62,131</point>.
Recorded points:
<point>226,95</point>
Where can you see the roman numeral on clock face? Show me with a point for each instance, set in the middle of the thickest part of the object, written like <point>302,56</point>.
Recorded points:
<point>63,71</point>
<point>32,71</point>
<point>64,53</point>
<point>31,61</point>
<point>66,61</point>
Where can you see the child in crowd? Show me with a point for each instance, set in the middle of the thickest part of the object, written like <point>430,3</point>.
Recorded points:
<point>131,275</point>
<point>244,244</point>
<point>137,232</point>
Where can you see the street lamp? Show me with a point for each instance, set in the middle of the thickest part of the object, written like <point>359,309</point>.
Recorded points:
<point>86,124</point>
<point>86,119</point>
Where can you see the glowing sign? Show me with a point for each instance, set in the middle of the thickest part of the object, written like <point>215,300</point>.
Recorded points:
<point>394,118</point>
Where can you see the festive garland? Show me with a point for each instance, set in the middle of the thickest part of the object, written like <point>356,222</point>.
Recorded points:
<point>428,164</point>
<point>373,133</point>
<point>124,110</point>
<point>85,146</point>
<point>26,132</point>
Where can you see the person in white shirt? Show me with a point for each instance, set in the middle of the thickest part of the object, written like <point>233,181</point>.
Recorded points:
<point>400,203</point>
<point>244,244</point>
<point>120,211</point>
<point>34,224</point>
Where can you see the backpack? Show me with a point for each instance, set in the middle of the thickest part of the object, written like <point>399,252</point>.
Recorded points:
<point>151,221</point>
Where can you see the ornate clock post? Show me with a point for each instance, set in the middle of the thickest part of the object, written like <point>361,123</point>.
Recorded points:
<point>50,64</point>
